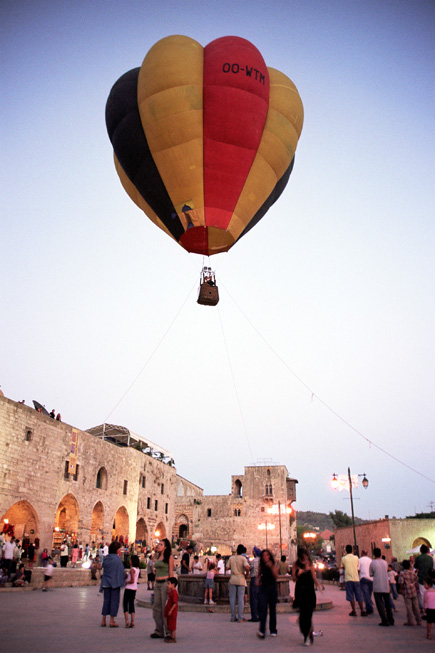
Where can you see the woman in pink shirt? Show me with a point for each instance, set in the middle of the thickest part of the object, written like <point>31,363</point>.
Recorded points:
<point>130,591</point>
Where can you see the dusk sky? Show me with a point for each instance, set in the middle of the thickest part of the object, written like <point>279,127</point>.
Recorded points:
<point>320,354</point>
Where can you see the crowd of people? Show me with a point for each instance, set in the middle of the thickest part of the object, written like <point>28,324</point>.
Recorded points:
<point>366,577</point>
<point>260,568</point>
<point>369,582</point>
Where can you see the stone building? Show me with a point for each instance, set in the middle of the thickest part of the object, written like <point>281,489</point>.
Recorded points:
<point>257,512</point>
<point>56,480</point>
<point>395,537</point>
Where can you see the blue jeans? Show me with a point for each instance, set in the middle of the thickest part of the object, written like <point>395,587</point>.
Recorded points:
<point>367,591</point>
<point>239,592</point>
<point>253,598</point>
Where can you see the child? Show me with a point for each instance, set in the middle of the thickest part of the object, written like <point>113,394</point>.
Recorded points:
<point>48,573</point>
<point>429,604</point>
<point>197,566</point>
<point>151,576</point>
<point>392,578</point>
<point>19,579</point>
<point>209,583</point>
<point>171,610</point>
<point>130,590</point>
<point>392,582</point>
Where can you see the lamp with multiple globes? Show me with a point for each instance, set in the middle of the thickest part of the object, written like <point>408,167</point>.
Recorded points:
<point>335,484</point>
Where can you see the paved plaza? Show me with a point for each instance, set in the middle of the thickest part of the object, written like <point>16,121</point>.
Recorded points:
<point>67,619</point>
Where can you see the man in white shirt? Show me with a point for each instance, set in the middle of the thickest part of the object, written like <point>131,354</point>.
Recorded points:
<point>8,554</point>
<point>366,581</point>
<point>381,588</point>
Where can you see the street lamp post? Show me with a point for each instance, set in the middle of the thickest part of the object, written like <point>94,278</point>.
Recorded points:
<point>279,510</point>
<point>267,526</point>
<point>365,483</point>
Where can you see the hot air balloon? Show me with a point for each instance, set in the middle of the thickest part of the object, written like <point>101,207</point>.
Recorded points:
<point>204,138</point>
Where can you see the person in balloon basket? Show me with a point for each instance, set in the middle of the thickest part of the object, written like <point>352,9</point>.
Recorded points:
<point>171,610</point>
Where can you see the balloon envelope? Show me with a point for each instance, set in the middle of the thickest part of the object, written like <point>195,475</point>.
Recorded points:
<point>204,138</point>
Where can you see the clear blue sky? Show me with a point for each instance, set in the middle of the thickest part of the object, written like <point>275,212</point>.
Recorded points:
<point>327,306</point>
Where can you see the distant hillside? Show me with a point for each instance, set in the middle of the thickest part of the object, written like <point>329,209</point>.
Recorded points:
<point>318,520</point>
<point>315,520</point>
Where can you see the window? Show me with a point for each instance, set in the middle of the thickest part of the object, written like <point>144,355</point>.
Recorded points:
<point>268,472</point>
<point>156,505</point>
<point>166,508</point>
<point>269,490</point>
<point>125,487</point>
<point>162,488</point>
<point>148,503</point>
<point>262,509</point>
<point>208,512</point>
<point>101,483</point>
<point>237,512</point>
<point>70,477</point>
<point>238,488</point>
<point>28,436</point>
<point>143,481</point>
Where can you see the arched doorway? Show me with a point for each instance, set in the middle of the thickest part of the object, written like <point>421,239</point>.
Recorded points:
<point>182,527</point>
<point>141,532</point>
<point>121,525</point>
<point>22,516</point>
<point>421,540</point>
<point>66,522</point>
<point>160,532</point>
<point>97,523</point>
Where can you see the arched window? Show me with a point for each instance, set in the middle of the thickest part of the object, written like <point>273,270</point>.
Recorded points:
<point>268,472</point>
<point>238,488</point>
<point>102,479</point>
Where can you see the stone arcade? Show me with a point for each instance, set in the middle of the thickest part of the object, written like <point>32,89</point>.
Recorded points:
<point>99,484</point>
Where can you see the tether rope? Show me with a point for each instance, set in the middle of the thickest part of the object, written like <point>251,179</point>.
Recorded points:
<point>153,352</point>
<point>320,400</point>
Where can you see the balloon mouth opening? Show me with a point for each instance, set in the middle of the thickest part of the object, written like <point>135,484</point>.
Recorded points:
<point>206,240</point>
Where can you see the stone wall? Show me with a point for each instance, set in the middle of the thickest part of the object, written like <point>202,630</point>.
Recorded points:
<point>399,535</point>
<point>188,501</point>
<point>120,491</point>
<point>37,494</point>
<point>224,521</point>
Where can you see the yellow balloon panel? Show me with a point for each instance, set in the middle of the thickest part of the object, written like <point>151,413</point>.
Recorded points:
<point>173,61</point>
<point>182,184</point>
<point>170,98</point>
<point>286,99</point>
<point>137,198</point>
<point>275,152</point>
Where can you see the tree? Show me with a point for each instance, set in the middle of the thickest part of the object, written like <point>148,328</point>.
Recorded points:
<point>340,519</point>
